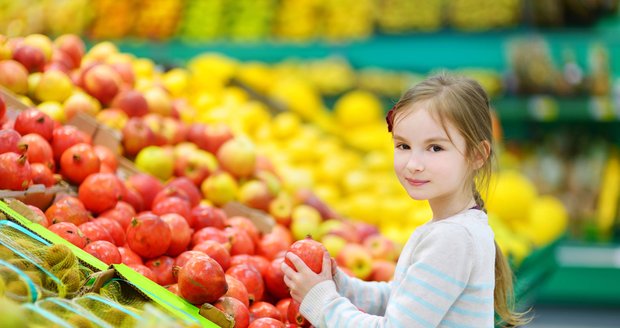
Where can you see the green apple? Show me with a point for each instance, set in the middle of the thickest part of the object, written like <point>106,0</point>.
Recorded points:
<point>220,188</point>
<point>305,221</point>
<point>157,161</point>
<point>334,244</point>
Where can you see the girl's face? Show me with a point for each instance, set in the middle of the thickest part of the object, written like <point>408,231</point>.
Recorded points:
<point>427,163</point>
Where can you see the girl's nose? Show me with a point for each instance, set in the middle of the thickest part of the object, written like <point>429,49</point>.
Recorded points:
<point>415,163</point>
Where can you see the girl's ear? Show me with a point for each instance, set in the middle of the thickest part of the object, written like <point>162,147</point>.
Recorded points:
<point>484,150</point>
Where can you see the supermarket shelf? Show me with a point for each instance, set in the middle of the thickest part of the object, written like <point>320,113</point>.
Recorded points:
<point>534,271</point>
<point>420,52</point>
<point>587,274</point>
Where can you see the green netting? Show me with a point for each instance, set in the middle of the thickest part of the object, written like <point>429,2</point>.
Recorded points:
<point>108,310</point>
<point>54,268</point>
<point>16,285</point>
<point>72,313</point>
<point>40,318</point>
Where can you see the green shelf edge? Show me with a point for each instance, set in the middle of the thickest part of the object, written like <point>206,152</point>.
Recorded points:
<point>419,52</point>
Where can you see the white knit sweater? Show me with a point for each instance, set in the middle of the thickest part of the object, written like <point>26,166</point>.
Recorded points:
<point>444,277</point>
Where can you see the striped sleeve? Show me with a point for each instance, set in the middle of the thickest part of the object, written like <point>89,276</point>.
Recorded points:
<point>438,274</point>
<point>369,296</point>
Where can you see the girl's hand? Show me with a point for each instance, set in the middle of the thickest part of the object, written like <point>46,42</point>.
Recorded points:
<point>300,282</point>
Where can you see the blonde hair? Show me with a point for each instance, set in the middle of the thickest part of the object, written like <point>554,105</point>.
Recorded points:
<point>464,103</point>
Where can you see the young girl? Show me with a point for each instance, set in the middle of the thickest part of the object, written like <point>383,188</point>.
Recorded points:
<point>451,272</point>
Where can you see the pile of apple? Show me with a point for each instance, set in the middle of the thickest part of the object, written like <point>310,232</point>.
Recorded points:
<point>157,221</point>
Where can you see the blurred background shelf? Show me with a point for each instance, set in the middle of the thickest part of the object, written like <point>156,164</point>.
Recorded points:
<point>420,52</point>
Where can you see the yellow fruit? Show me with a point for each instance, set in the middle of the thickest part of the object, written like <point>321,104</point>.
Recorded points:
<point>285,125</point>
<point>548,220</point>
<point>511,196</point>
<point>358,108</point>
<point>54,110</point>
<point>176,81</point>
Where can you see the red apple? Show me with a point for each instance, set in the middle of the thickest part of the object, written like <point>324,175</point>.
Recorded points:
<point>159,101</point>
<point>136,136</point>
<point>14,76</point>
<point>281,209</point>
<point>210,137</point>
<point>125,71</point>
<point>131,102</point>
<point>80,102</point>
<point>190,189</point>
<point>195,166</point>
<point>32,58</point>
<point>381,247</point>
<point>382,270</point>
<point>71,45</point>
<point>238,157</point>
<point>355,257</point>
<point>255,194</point>
<point>102,82</point>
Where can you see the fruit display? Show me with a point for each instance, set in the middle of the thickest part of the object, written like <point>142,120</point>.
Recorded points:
<point>218,132</point>
<point>286,20</point>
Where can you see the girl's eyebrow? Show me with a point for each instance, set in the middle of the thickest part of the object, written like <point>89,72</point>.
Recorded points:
<point>437,139</point>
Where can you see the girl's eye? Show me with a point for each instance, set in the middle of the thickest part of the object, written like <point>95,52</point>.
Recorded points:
<point>435,148</point>
<point>402,146</point>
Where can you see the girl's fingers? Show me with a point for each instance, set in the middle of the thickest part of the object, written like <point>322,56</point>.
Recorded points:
<point>297,262</point>
<point>327,263</point>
